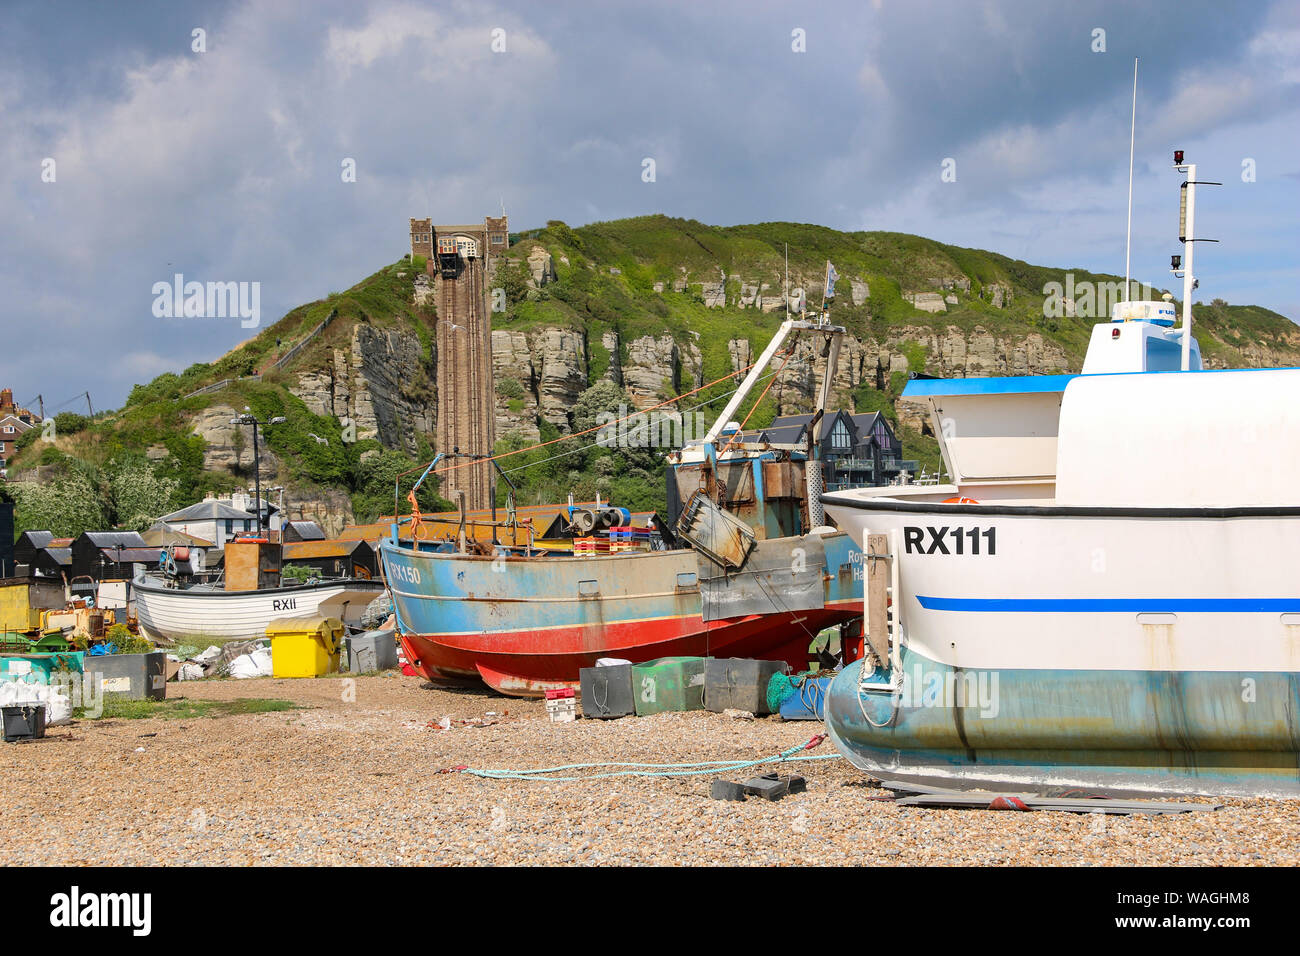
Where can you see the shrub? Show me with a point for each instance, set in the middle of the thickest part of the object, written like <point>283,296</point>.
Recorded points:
<point>120,636</point>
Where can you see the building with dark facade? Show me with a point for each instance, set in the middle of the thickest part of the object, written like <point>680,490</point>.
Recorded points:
<point>856,450</point>
<point>39,554</point>
<point>109,556</point>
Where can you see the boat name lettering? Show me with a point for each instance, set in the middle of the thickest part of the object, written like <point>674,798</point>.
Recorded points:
<point>947,540</point>
<point>284,604</point>
<point>407,574</point>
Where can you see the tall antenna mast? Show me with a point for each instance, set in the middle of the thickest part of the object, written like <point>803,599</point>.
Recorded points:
<point>1132,135</point>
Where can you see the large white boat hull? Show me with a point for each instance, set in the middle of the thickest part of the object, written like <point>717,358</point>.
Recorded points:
<point>1154,649</point>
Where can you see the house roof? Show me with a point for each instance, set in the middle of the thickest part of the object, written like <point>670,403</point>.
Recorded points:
<point>301,550</point>
<point>307,530</point>
<point>38,539</point>
<point>21,423</point>
<point>130,555</point>
<point>160,533</point>
<point>788,434</point>
<point>865,420</point>
<point>111,539</point>
<point>212,510</point>
<point>60,556</point>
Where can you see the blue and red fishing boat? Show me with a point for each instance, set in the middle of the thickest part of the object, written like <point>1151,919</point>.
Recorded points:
<point>751,570</point>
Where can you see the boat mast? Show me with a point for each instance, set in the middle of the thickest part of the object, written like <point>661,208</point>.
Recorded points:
<point>1132,134</point>
<point>1187,238</point>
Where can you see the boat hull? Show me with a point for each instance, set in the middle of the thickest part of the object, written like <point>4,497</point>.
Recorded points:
<point>1128,732</point>
<point>1120,648</point>
<point>177,615</point>
<point>524,625</point>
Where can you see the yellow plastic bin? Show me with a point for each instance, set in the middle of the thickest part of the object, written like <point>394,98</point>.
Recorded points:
<point>305,646</point>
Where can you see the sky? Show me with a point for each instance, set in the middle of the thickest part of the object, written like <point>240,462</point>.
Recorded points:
<point>133,148</point>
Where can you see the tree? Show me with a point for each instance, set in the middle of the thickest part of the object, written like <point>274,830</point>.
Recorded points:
<point>514,281</point>
<point>380,473</point>
<point>66,506</point>
<point>137,495</point>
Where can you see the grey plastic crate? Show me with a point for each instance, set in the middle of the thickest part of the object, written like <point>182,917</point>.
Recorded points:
<point>607,691</point>
<point>133,676</point>
<point>372,651</point>
<point>737,683</point>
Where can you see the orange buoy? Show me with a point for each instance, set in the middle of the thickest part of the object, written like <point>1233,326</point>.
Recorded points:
<point>960,500</point>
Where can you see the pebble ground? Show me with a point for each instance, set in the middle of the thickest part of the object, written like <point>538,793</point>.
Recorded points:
<point>357,781</point>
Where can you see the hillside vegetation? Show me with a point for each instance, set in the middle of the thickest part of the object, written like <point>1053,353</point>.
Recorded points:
<point>646,276</point>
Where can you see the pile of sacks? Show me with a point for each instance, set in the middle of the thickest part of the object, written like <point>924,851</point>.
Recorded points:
<point>58,705</point>
<point>243,659</point>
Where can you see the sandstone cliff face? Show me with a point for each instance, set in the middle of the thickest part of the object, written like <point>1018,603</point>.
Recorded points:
<point>953,353</point>
<point>382,382</point>
<point>1280,354</point>
<point>328,507</point>
<point>550,367</point>
<point>658,366</point>
<point>229,447</point>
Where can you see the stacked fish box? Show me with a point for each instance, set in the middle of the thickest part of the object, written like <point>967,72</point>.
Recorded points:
<point>628,538</point>
<point>590,547</point>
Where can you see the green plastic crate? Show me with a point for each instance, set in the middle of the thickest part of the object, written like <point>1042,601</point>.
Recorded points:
<point>669,684</point>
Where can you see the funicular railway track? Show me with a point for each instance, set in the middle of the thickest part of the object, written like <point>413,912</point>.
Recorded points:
<point>465,419</point>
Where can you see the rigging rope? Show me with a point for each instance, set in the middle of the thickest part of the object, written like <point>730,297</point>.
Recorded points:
<point>574,451</point>
<point>649,769</point>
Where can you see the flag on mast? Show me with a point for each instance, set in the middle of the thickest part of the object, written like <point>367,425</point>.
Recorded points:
<point>831,276</point>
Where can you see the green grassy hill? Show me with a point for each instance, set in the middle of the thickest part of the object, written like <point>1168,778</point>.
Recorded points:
<point>610,277</point>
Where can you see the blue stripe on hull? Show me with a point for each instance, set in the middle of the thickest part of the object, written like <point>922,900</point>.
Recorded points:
<point>1223,733</point>
<point>1135,605</point>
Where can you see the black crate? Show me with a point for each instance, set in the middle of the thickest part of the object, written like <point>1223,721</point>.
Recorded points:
<point>735,683</point>
<point>24,722</point>
<point>607,691</point>
<point>772,786</point>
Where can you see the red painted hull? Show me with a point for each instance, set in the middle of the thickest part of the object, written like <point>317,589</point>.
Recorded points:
<point>526,663</point>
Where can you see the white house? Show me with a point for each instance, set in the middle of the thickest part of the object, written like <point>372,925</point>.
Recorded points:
<point>220,519</point>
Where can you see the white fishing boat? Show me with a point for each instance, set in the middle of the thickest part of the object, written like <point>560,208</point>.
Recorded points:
<point>208,612</point>
<point>1106,594</point>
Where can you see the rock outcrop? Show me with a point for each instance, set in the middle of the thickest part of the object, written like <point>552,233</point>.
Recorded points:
<point>383,383</point>
<point>926,301</point>
<point>541,267</point>
<point>651,369</point>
